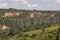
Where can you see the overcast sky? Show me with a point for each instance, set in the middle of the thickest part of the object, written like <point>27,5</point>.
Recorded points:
<point>31,4</point>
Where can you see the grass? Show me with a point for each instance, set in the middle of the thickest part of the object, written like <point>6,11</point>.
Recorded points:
<point>40,35</point>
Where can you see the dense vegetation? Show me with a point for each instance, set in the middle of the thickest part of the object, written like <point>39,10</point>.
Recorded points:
<point>30,25</point>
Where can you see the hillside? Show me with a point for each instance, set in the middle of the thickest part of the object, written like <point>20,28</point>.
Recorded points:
<point>49,33</point>
<point>29,24</point>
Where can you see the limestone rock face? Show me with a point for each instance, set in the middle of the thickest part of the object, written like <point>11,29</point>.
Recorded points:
<point>4,27</point>
<point>25,18</point>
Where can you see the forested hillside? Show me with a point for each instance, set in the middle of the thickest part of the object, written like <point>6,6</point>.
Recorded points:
<point>29,24</point>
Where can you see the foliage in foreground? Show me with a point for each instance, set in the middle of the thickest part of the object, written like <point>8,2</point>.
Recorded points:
<point>49,33</point>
